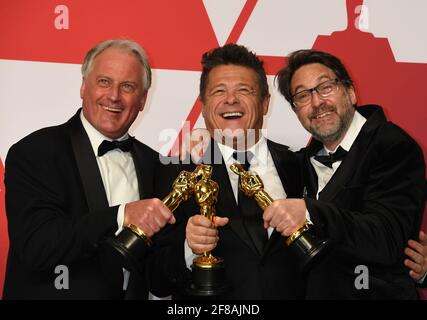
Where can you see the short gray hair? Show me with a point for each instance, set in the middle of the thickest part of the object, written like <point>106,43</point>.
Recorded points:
<point>128,45</point>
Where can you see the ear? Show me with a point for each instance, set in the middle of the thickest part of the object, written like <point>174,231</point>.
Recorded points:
<point>352,95</point>
<point>82,88</point>
<point>265,104</point>
<point>143,101</point>
<point>203,106</point>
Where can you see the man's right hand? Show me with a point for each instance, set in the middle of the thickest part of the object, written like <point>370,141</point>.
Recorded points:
<point>149,215</point>
<point>202,233</point>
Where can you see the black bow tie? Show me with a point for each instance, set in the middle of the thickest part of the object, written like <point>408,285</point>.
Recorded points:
<point>105,146</point>
<point>332,157</point>
<point>244,158</point>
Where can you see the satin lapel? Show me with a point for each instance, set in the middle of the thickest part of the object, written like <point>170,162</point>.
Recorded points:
<point>274,243</point>
<point>87,165</point>
<point>309,178</point>
<point>144,173</point>
<point>139,175</point>
<point>355,156</point>
<point>226,205</point>
<point>288,167</point>
<point>289,171</point>
<point>342,175</point>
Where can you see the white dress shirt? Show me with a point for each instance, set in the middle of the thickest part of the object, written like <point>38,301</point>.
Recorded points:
<point>324,173</point>
<point>118,176</point>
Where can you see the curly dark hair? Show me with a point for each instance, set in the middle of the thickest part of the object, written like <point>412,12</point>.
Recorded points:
<point>299,58</point>
<point>232,54</point>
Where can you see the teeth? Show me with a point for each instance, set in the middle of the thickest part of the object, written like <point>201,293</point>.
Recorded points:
<point>112,109</point>
<point>322,115</point>
<point>232,114</point>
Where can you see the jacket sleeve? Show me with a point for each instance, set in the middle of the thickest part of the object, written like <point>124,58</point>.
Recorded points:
<point>167,273</point>
<point>47,225</point>
<point>372,221</point>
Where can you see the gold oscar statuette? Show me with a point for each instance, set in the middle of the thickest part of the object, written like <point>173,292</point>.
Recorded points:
<point>206,195</point>
<point>303,242</point>
<point>131,243</point>
<point>208,273</point>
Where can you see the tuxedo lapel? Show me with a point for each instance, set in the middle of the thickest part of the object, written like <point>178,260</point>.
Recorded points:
<point>226,200</point>
<point>138,171</point>
<point>289,171</point>
<point>288,167</point>
<point>342,175</point>
<point>310,179</point>
<point>87,165</point>
<point>355,156</point>
<point>226,204</point>
<point>144,172</point>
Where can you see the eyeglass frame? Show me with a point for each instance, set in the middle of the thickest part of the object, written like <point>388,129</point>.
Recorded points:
<point>311,90</point>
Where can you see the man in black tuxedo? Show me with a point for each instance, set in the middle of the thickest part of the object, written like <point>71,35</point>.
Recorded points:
<point>235,97</point>
<point>364,179</point>
<point>72,186</point>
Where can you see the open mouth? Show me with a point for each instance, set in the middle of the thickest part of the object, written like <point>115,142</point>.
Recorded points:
<point>321,115</point>
<point>232,115</point>
<point>111,109</point>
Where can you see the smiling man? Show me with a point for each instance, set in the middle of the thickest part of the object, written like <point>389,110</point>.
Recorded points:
<point>235,97</point>
<point>72,186</point>
<point>234,104</point>
<point>364,178</point>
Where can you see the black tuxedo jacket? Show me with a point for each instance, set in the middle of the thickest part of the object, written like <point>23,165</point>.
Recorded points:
<point>58,215</point>
<point>370,208</point>
<point>274,274</point>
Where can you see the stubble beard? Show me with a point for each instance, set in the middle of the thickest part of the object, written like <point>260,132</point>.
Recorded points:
<point>337,132</point>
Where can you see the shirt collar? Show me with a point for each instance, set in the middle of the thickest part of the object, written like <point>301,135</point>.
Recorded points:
<point>353,131</point>
<point>259,150</point>
<point>96,137</point>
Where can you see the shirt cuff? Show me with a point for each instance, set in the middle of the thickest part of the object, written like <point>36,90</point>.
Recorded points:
<point>120,218</point>
<point>422,279</point>
<point>189,255</point>
<point>307,216</point>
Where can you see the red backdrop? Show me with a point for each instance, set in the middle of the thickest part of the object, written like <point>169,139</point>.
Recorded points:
<point>175,36</point>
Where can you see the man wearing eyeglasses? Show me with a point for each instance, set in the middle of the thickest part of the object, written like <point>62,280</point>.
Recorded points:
<point>364,180</point>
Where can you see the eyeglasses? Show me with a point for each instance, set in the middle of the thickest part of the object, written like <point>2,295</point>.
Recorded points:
<point>324,89</point>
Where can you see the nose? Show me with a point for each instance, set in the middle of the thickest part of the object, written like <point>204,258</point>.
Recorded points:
<point>231,97</point>
<point>316,99</point>
<point>114,92</point>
